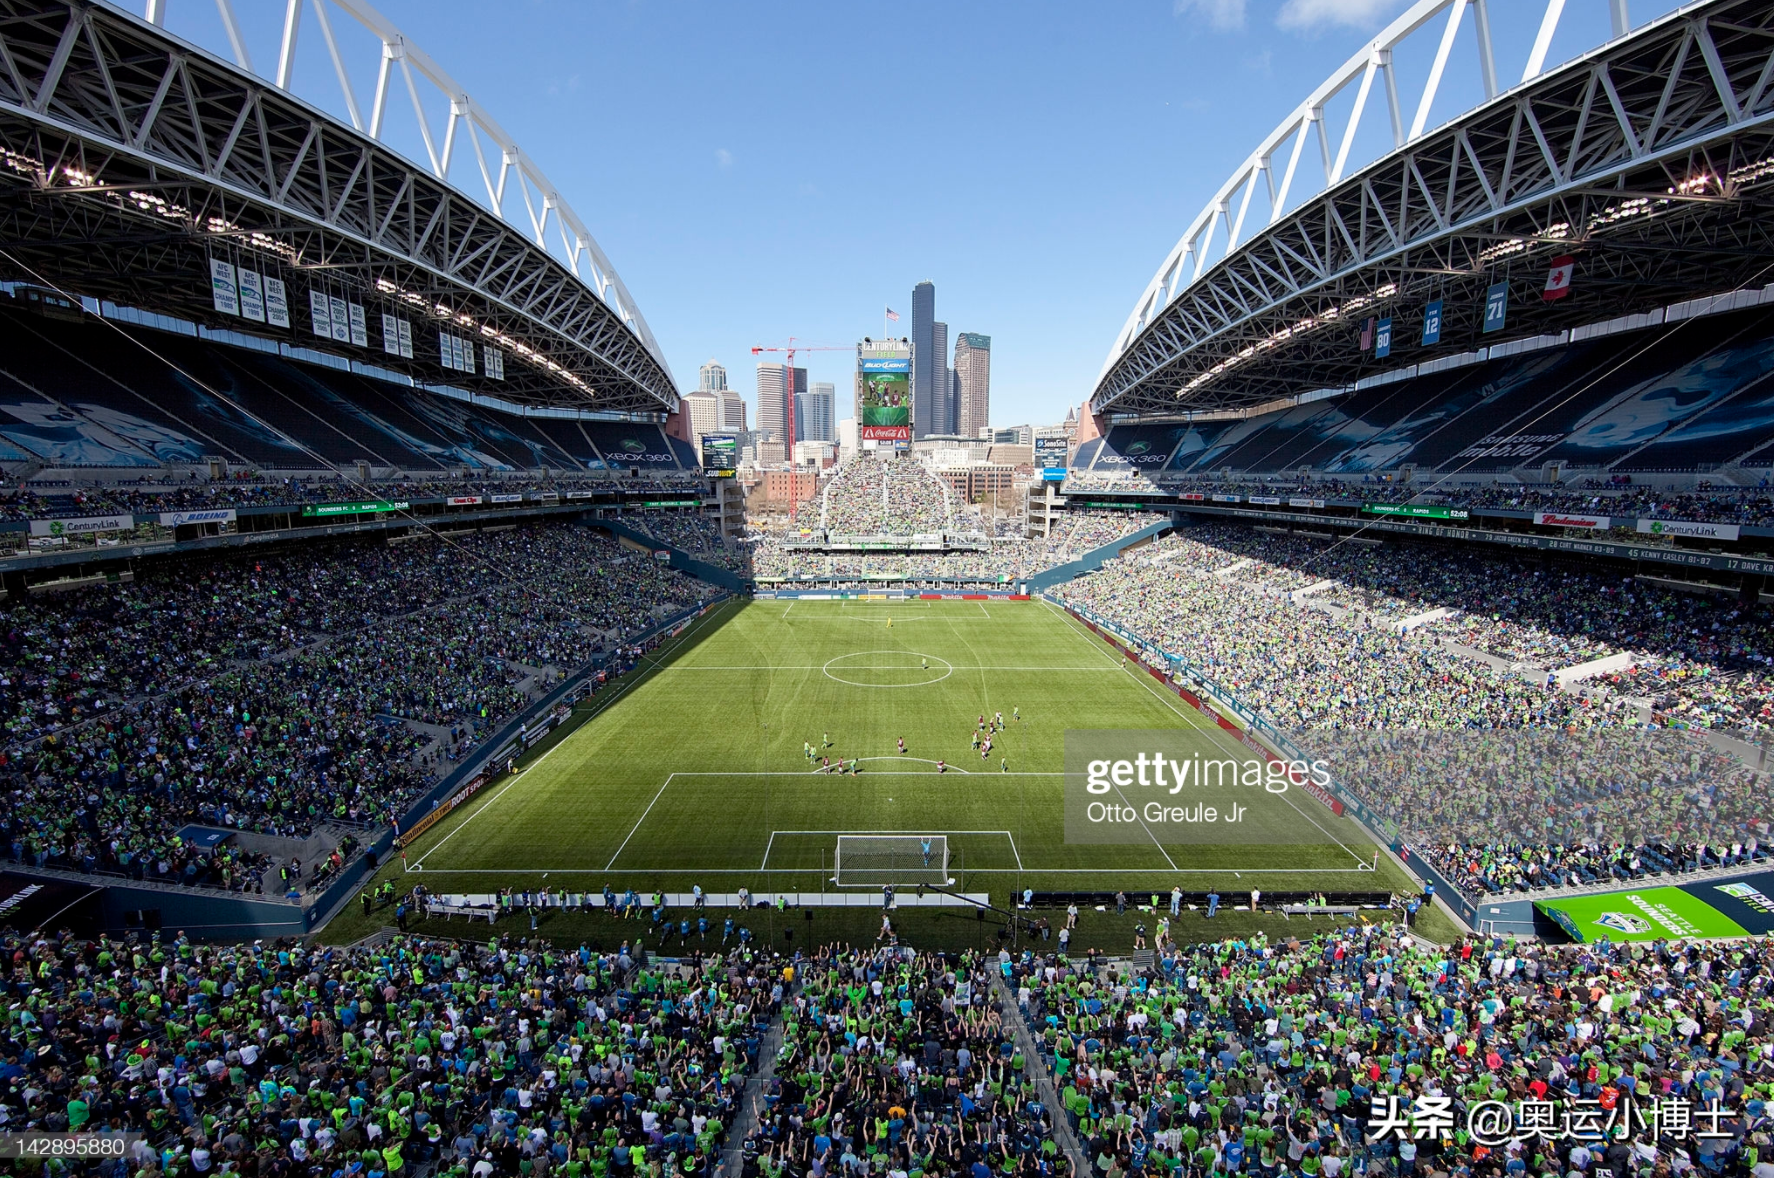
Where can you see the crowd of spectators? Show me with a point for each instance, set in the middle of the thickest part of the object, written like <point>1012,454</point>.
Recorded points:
<point>1007,557</point>
<point>1358,1051</point>
<point>416,1056</point>
<point>46,499</point>
<point>1252,1056</point>
<point>1623,501</point>
<point>898,1062</point>
<point>874,496</point>
<point>1314,638</point>
<point>324,685</point>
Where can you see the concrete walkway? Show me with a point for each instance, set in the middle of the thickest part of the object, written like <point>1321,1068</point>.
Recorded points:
<point>751,1101</point>
<point>1035,1059</point>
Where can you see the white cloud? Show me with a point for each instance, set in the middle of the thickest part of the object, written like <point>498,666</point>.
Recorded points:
<point>1310,16</point>
<point>1224,15</point>
<point>723,157</point>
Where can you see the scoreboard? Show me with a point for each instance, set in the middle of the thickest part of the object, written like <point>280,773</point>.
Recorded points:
<point>720,455</point>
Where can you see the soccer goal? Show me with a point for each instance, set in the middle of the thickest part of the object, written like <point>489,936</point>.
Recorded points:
<point>870,860</point>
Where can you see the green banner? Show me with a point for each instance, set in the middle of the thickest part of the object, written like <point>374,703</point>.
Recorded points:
<point>373,505</point>
<point>1416,510</point>
<point>1649,914</point>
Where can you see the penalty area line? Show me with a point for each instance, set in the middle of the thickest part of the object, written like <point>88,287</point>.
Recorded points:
<point>637,822</point>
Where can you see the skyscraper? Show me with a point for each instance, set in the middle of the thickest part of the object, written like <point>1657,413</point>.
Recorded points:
<point>813,414</point>
<point>774,391</point>
<point>926,361</point>
<point>772,410</point>
<point>973,381</point>
<point>942,410</point>
<point>714,378</point>
<point>732,415</point>
<point>705,414</point>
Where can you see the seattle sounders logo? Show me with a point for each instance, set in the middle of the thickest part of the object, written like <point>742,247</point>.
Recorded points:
<point>1624,922</point>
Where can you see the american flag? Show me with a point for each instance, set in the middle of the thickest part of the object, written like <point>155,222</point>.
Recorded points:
<point>892,314</point>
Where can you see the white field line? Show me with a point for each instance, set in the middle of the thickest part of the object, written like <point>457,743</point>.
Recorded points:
<point>1218,734</point>
<point>1008,836</point>
<point>559,744</point>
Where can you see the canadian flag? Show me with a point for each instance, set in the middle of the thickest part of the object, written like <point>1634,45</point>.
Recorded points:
<point>1558,279</point>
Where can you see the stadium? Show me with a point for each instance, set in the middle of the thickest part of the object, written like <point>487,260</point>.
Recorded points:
<point>424,755</point>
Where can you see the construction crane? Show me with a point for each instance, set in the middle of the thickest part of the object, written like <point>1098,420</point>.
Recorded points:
<point>788,396</point>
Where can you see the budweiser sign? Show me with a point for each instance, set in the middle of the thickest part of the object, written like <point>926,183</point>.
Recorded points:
<point>1561,519</point>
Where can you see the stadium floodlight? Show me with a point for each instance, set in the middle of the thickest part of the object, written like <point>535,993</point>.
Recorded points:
<point>876,860</point>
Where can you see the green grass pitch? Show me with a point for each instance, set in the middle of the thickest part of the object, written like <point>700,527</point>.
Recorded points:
<point>693,771</point>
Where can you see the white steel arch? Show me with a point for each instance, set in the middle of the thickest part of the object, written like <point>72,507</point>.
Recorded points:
<point>1218,229</point>
<point>546,217</point>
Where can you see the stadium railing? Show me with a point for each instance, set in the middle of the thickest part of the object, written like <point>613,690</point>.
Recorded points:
<point>1093,560</point>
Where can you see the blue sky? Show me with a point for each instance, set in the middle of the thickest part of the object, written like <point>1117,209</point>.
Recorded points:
<point>766,170</point>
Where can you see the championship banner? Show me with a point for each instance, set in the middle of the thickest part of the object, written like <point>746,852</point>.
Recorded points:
<point>1708,908</point>
<point>1562,519</point>
<point>1684,527</point>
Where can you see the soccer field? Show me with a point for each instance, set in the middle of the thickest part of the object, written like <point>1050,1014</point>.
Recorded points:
<point>694,770</point>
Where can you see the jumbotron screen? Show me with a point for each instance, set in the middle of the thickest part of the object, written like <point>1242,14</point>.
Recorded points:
<point>886,406</point>
<point>720,455</point>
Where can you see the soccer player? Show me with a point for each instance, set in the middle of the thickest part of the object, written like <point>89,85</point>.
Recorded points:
<point>942,766</point>
<point>1003,765</point>
<point>998,720</point>
<point>974,744</point>
<point>902,746</point>
<point>828,740</point>
<point>924,663</point>
<point>924,844</point>
<point>1016,714</point>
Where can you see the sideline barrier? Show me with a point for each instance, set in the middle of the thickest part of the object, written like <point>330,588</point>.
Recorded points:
<point>1262,738</point>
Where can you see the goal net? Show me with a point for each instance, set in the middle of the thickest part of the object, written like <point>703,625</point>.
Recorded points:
<point>871,860</point>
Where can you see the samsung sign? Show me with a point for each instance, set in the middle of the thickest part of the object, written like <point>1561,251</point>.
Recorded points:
<point>178,519</point>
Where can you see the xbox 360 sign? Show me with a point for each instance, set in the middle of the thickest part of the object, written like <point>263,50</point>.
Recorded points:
<point>634,448</point>
<point>85,525</point>
<point>368,507</point>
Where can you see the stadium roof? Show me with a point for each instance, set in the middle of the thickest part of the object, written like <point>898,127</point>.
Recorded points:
<point>130,159</point>
<point>1650,160</point>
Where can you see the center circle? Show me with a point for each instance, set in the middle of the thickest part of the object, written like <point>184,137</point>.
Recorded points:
<point>888,668</point>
